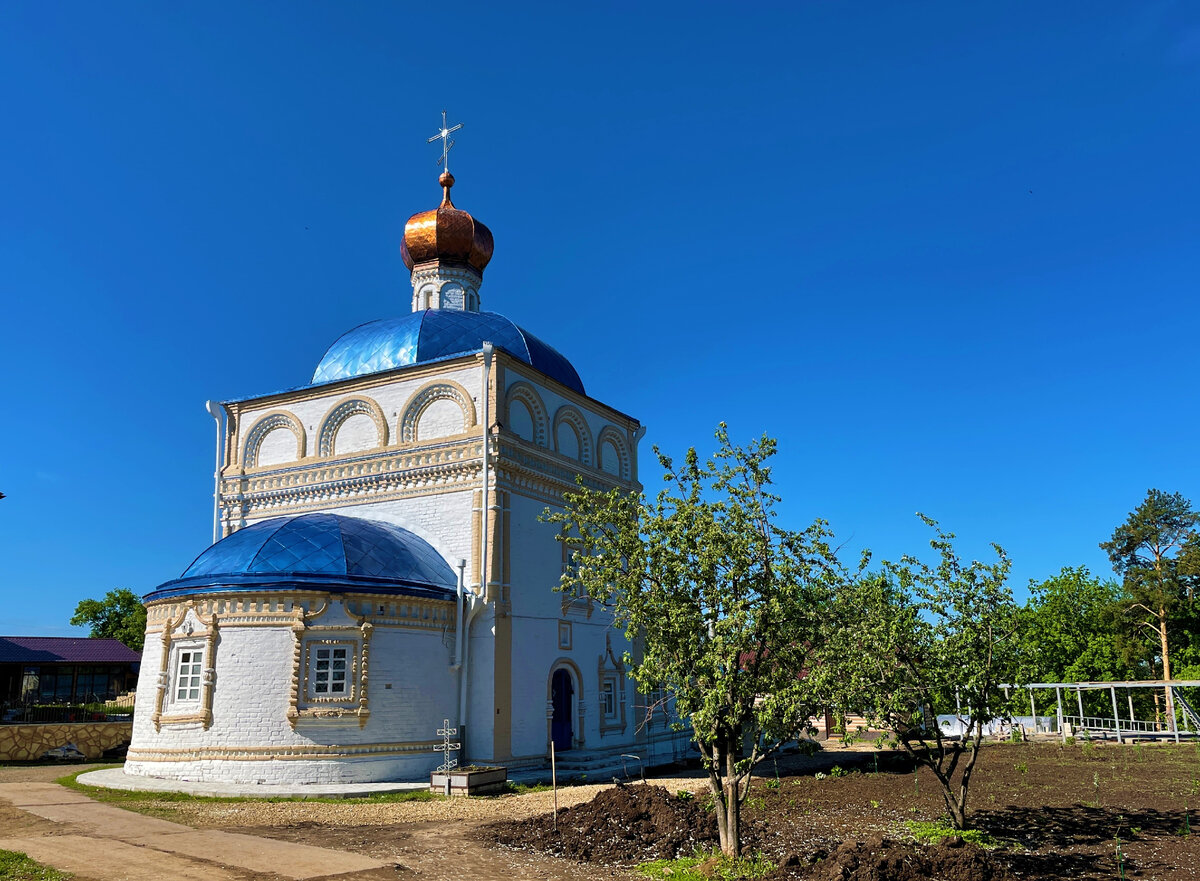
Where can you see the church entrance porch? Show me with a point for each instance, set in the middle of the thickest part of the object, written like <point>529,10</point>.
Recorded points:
<point>562,691</point>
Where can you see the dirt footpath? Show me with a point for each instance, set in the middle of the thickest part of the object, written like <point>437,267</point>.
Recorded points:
<point>434,840</point>
<point>278,841</point>
<point>65,829</point>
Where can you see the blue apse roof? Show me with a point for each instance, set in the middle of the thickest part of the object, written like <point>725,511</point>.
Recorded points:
<point>318,552</point>
<point>433,335</point>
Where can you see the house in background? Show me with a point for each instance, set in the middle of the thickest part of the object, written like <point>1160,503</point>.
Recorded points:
<point>64,670</point>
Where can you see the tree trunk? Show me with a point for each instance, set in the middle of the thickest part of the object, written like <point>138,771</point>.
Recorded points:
<point>724,784</point>
<point>1166,659</point>
<point>731,833</point>
<point>957,811</point>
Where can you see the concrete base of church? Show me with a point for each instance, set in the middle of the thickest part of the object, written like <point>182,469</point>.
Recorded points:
<point>115,778</point>
<point>288,772</point>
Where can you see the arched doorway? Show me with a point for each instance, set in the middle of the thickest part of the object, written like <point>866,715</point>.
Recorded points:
<point>562,692</point>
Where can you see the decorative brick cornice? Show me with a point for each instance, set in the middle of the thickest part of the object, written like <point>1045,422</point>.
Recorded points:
<point>519,466</point>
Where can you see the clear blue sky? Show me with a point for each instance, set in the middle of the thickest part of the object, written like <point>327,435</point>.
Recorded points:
<point>948,253</point>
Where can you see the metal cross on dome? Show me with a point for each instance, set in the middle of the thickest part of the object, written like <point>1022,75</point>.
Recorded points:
<point>447,142</point>
<point>446,732</point>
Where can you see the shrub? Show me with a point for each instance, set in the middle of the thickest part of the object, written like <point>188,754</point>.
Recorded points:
<point>938,830</point>
<point>706,867</point>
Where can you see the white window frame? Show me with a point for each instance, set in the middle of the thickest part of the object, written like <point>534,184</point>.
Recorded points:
<point>608,698</point>
<point>313,651</point>
<point>188,692</point>
<point>324,664</point>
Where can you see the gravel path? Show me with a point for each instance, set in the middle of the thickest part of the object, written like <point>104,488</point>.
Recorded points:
<point>349,813</point>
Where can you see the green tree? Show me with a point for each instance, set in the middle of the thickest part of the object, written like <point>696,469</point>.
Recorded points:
<point>724,605</point>
<point>1069,628</point>
<point>1072,629</point>
<point>918,639</point>
<point>1155,552</point>
<point>1185,623</point>
<point>119,615</point>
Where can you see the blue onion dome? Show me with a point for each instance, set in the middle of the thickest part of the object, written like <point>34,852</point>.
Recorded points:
<point>435,335</point>
<point>327,552</point>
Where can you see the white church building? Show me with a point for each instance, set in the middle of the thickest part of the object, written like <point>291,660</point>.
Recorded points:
<point>383,566</point>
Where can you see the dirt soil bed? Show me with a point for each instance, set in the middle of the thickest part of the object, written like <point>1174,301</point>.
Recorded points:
<point>881,859</point>
<point>621,825</point>
<point>1057,812</point>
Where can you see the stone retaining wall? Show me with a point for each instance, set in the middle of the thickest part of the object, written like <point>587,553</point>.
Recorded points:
<point>24,743</point>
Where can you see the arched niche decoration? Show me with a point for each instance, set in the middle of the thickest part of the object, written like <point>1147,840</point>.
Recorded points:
<point>424,296</point>
<point>425,397</point>
<point>343,410</point>
<point>568,415</point>
<point>277,419</point>
<point>524,393</point>
<point>611,442</point>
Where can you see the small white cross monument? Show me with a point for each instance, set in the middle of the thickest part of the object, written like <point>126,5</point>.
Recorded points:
<point>447,142</point>
<point>446,732</point>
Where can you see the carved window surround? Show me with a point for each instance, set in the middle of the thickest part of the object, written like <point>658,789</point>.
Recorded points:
<point>188,631</point>
<point>305,705</point>
<point>611,674</point>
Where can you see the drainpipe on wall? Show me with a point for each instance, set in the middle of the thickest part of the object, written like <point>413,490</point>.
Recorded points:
<point>478,602</point>
<point>217,412</point>
<point>459,622</point>
<point>458,619</point>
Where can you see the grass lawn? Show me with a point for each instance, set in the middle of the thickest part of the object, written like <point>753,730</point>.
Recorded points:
<point>18,867</point>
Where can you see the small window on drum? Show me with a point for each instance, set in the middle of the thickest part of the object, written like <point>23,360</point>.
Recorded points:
<point>330,672</point>
<point>188,675</point>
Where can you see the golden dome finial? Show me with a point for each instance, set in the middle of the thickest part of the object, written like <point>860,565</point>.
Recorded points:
<point>447,235</point>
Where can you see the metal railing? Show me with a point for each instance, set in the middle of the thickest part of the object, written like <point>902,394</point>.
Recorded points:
<point>44,712</point>
<point>1105,724</point>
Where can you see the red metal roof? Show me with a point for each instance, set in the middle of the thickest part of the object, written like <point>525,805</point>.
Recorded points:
<point>65,650</point>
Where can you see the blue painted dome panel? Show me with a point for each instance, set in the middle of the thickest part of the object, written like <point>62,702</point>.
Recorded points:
<point>318,551</point>
<point>434,335</point>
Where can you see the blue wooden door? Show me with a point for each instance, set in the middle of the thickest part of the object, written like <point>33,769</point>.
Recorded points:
<point>561,690</point>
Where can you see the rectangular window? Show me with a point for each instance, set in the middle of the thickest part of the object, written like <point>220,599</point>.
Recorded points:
<point>608,699</point>
<point>330,664</point>
<point>571,564</point>
<point>187,679</point>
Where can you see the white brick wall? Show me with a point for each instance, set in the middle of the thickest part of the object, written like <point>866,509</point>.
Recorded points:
<point>277,447</point>
<point>441,419</point>
<point>410,686</point>
<point>356,434</point>
<point>254,664</point>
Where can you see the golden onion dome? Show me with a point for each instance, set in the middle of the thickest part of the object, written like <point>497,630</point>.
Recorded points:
<point>446,235</point>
